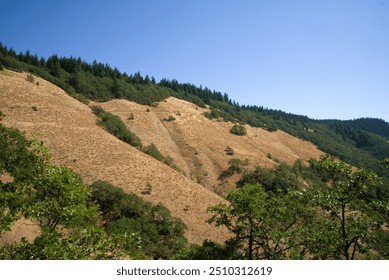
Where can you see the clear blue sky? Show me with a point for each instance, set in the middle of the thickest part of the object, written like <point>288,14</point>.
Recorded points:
<point>323,59</point>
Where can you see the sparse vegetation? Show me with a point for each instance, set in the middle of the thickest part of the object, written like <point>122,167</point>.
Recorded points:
<point>238,129</point>
<point>152,150</point>
<point>114,125</point>
<point>148,189</point>
<point>131,117</point>
<point>229,151</point>
<point>170,118</point>
<point>30,78</point>
<point>236,167</point>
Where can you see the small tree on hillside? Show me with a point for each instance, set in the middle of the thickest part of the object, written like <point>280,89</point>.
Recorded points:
<point>238,129</point>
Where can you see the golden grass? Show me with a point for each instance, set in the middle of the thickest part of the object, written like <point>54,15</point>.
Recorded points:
<point>68,128</point>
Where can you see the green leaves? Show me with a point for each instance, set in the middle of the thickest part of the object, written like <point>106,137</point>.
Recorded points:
<point>309,220</point>
<point>238,129</point>
<point>59,198</point>
<point>114,125</point>
<point>345,221</point>
<point>265,226</point>
<point>161,234</point>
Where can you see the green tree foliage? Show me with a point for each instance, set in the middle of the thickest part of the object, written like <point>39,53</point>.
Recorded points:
<point>263,226</point>
<point>321,211</point>
<point>19,158</point>
<point>57,199</point>
<point>276,180</point>
<point>236,167</point>
<point>114,125</point>
<point>161,234</point>
<point>385,162</point>
<point>90,243</point>
<point>229,151</point>
<point>238,129</point>
<point>346,224</point>
<point>153,151</point>
<point>209,250</point>
<point>374,125</point>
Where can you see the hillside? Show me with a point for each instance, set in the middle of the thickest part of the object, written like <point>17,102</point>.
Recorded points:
<point>360,143</point>
<point>196,144</point>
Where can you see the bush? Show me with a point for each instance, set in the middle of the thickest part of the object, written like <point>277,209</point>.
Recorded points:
<point>236,167</point>
<point>114,125</point>
<point>131,117</point>
<point>229,151</point>
<point>170,118</point>
<point>238,129</point>
<point>153,151</point>
<point>161,234</point>
<point>30,78</point>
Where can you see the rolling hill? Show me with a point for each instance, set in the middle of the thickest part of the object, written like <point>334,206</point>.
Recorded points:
<point>196,144</point>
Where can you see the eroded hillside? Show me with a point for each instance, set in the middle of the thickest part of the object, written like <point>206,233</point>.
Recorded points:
<point>196,144</point>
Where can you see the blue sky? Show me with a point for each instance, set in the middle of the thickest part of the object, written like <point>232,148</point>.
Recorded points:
<point>323,59</point>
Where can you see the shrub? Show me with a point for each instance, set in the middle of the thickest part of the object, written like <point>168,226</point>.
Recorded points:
<point>170,118</point>
<point>147,190</point>
<point>236,167</point>
<point>114,125</point>
<point>229,151</point>
<point>153,151</point>
<point>162,235</point>
<point>30,78</point>
<point>238,129</point>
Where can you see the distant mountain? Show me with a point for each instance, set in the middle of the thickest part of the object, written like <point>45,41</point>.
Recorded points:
<point>374,125</point>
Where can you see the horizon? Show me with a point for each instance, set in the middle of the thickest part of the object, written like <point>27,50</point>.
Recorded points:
<point>323,60</point>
